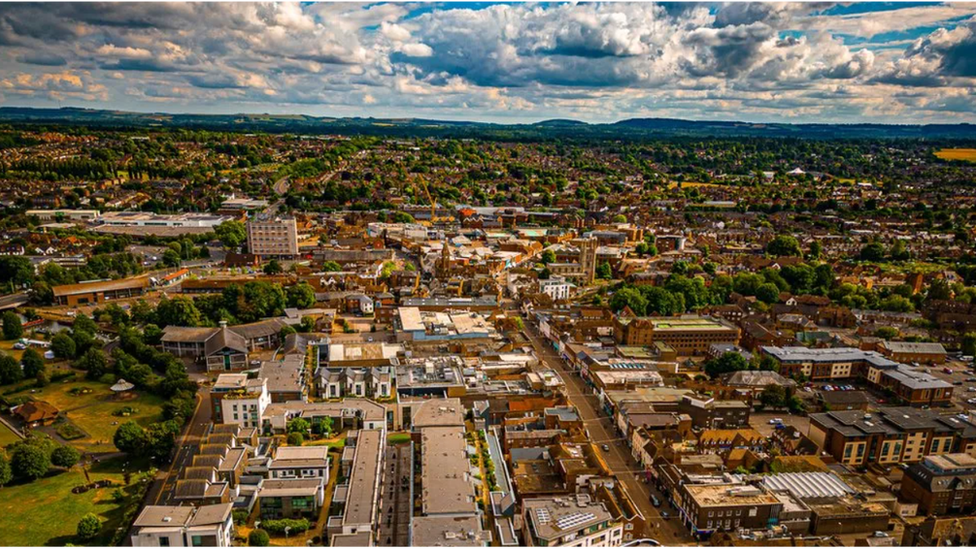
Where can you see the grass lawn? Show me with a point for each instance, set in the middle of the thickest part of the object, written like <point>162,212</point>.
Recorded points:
<point>335,442</point>
<point>7,436</point>
<point>8,349</point>
<point>398,438</point>
<point>92,411</point>
<point>968,155</point>
<point>45,512</point>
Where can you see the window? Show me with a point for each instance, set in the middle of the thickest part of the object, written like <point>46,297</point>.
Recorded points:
<point>711,513</point>
<point>709,524</point>
<point>753,512</point>
<point>947,445</point>
<point>164,542</point>
<point>847,451</point>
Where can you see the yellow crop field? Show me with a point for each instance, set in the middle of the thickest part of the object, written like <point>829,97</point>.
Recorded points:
<point>969,155</point>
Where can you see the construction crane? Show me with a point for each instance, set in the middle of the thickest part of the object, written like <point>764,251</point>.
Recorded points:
<point>433,205</point>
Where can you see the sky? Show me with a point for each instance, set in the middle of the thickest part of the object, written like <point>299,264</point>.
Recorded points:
<point>499,62</point>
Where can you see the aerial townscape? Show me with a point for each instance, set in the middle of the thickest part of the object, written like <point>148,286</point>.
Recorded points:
<point>224,329</point>
<point>220,337</point>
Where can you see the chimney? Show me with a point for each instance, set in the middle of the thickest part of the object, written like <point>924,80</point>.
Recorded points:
<point>223,323</point>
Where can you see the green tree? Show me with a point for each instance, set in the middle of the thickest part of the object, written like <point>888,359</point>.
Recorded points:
<point>171,258</point>
<point>10,371</point>
<point>773,396</point>
<point>94,363</point>
<point>969,344</point>
<point>30,461</point>
<point>179,311</point>
<point>63,346</point>
<point>886,332</point>
<point>129,437</point>
<point>6,472</point>
<point>620,218</point>
<point>295,439</point>
<point>84,323</point>
<point>603,271</point>
<point>258,538</point>
<point>872,252</point>
<point>301,296</point>
<point>816,250</point>
<point>768,293</point>
<point>784,245</point>
<point>273,268</point>
<point>32,362</point>
<point>629,297</point>
<point>548,256</point>
<point>12,328</point>
<point>15,270</point>
<point>298,425</point>
<point>231,234</point>
<point>331,267</point>
<point>65,456</point>
<point>88,527</point>
<point>728,362</point>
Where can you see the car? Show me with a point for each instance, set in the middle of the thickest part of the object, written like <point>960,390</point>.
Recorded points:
<point>957,383</point>
<point>654,501</point>
<point>971,379</point>
<point>947,370</point>
<point>971,389</point>
<point>606,447</point>
<point>776,421</point>
<point>665,515</point>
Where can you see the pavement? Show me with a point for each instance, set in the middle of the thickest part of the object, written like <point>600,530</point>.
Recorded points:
<point>186,448</point>
<point>395,505</point>
<point>619,459</point>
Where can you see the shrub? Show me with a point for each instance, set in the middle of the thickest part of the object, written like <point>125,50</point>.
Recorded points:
<point>295,526</point>
<point>258,538</point>
<point>295,439</point>
<point>88,527</point>
<point>68,431</point>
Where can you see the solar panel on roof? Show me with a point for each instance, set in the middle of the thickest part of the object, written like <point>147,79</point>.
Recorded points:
<point>575,519</point>
<point>543,516</point>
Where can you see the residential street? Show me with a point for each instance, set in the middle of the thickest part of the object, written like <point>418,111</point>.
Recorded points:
<point>619,459</point>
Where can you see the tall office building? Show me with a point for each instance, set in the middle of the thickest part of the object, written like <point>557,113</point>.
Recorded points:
<point>269,236</point>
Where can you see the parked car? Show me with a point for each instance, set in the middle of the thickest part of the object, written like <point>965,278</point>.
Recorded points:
<point>606,447</point>
<point>654,501</point>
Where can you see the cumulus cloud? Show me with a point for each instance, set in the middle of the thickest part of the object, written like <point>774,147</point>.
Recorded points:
<point>528,61</point>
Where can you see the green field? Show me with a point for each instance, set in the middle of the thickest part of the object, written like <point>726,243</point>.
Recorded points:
<point>45,512</point>
<point>92,411</point>
<point>969,155</point>
<point>7,436</point>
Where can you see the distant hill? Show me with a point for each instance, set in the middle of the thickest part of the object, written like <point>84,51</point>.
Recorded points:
<point>634,128</point>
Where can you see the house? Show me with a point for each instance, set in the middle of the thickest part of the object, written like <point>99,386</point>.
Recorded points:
<point>35,413</point>
<point>300,462</point>
<point>169,526</point>
<point>291,498</point>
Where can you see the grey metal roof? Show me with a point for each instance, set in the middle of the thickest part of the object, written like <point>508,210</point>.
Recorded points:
<point>808,485</point>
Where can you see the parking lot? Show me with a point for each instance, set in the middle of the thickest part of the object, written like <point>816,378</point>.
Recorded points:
<point>760,422</point>
<point>961,376</point>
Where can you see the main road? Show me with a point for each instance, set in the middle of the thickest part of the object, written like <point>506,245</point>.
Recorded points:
<point>619,459</point>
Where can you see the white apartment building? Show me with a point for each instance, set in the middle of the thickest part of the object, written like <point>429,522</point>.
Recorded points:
<point>569,521</point>
<point>300,462</point>
<point>172,526</point>
<point>272,236</point>
<point>245,406</point>
<point>556,287</point>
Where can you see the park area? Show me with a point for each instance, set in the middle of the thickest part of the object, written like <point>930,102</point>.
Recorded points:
<point>91,411</point>
<point>54,511</point>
